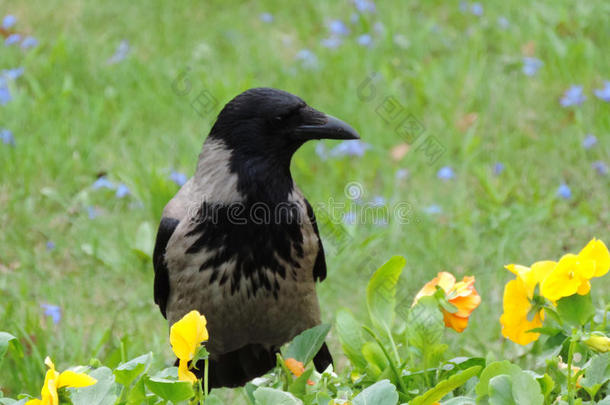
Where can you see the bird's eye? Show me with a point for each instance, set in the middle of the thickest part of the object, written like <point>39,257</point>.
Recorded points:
<point>285,116</point>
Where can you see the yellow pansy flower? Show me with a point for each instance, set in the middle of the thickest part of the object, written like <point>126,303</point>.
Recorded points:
<point>54,380</point>
<point>597,252</point>
<point>186,337</point>
<point>573,272</point>
<point>462,295</point>
<point>598,342</point>
<point>517,303</point>
<point>570,276</point>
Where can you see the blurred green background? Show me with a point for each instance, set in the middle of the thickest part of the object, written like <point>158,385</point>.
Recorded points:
<point>129,90</point>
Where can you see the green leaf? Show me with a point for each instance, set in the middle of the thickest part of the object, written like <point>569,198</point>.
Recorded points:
<point>350,336</point>
<point>137,393</point>
<point>526,390</point>
<point>202,354</point>
<point>171,390</point>
<point>446,386</point>
<point>299,386</point>
<point>145,241</point>
<point>501,390</point>
<point>305,346</point>
<point>462,363</point>
<point>375,358</point>
<point>9,401</point>
<point>546,385</point>
<point>459,401</point>
<point>425,328</point>
<point>597,374</point>
<point>104,392</point>
<point>321,398</point>
<point>381,393</point>
<point>381,293</point>
<point>492,370</point>
<point>249,389</point>
<point>212,399</point>
<point>127,372</point>
<point>5,340</point>
<point>272,396</point>
<point>576,309</point>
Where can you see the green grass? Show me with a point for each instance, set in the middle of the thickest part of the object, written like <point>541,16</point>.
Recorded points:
<point>74,116</point>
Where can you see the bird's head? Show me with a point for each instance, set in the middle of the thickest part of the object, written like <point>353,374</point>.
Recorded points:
<point>270,123</point>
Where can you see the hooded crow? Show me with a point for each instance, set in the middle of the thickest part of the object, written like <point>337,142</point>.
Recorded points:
<point>239,241</point>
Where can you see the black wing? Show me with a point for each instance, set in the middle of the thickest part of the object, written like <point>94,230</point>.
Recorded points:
<point>319,267</point>
<point>166,229</point>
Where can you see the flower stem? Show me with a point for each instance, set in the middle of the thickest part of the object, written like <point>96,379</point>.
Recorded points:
<point>205,377</point>
<point>395,349</point>
<point>387,355</point>
<point>573,341</point>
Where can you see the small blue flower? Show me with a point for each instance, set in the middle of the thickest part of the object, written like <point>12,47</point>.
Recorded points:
<point>120,53</point>
<point>379,28</point>
<point>13,74</point>
<point>122,191</point>
<point>50,245</point>
<point>498,168</point>
<point>12,39</point>
<point>92,212</point>
<point>600,167</point>
<point>564,191</point>
<point>321,151</point>
<point>445,173</point>
<point>331,42</point>
<point>308,59</point>
<point>7,137</point>
<point>179,178</point>
<point>103,182</point>
<point>603,93</point>
<point>365,6</point>
<point>29,42</point>
<point>589,141</point>
<point>266,17</point>
<point>8,21</point>
<point>463,6</point>
<point>503,22</point>
<point>52,311</point>
<point>531,65</point>
<point>365,40</point>
<point>349,218</point>
<point>433,209</point>
<point>476,9</point>
<point>378,201</point>
<point>401,174</point>
<point>338,27</point>
<point>349,148</point>
<point>573,96</point>
<point>5,93</point>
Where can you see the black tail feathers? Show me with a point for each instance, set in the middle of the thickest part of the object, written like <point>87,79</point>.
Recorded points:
<point>236,368</point>
<point>323,358</point>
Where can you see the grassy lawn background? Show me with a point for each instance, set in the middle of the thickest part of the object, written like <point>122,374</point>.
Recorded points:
<point>74,116</point>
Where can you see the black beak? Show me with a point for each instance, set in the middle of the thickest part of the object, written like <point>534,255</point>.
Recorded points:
<point>332,128</point>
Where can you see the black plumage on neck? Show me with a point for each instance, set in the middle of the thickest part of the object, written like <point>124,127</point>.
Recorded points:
<point>262,167</point>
